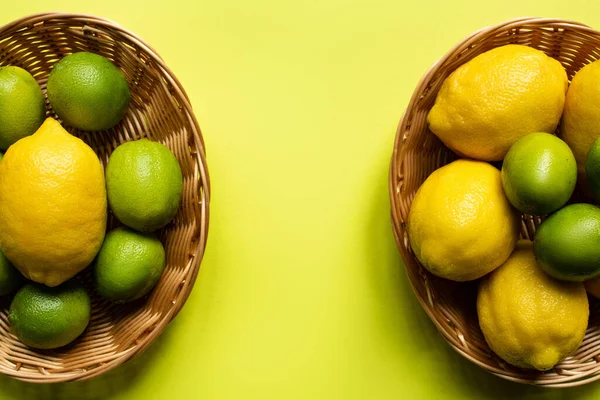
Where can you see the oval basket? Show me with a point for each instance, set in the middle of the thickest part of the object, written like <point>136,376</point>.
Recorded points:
<point>159,110</point>
<point>418,152</point>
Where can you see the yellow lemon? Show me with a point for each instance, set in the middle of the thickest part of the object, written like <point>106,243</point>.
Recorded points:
<point>496,98</point>
<point>461,225</point>
<point>581,119</point>
<point>52,204</point>
<point>528,318</point>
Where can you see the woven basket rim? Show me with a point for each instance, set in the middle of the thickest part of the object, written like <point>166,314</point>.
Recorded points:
<point>200,161</point>
<point>394,178</point>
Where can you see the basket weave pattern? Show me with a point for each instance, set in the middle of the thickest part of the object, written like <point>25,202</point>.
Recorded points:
<point>418,152</point>
<point>159,110</point>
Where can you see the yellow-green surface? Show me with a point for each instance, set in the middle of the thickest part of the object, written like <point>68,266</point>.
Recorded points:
<point>302,294</point>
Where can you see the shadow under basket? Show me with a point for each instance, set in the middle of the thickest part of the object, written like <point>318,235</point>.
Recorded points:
<point>160,111</point>
<point>418,152</point>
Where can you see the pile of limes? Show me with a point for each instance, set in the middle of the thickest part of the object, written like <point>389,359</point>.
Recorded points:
<point>514,104</point>
<point>55,195</point>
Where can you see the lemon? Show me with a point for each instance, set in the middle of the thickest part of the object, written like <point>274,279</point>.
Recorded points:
<point>539,173</point>
<point>88,92</point>
<point>580,125</point>
<point>128,265</point>
<point>461,225</point>
<point>47,318</point>
<point>496,98</point>
<point>567,243</point>
<point>22,105</point>
<point>10,278</point>
<point>144,184</point>
<point>528,318</point>
<point>52,204</point>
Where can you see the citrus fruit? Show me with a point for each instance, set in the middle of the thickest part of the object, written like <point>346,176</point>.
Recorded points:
<point>10,278</point>
<point>580,125</point>
<point>496,98</point>
<point>539,173</point>
<point>567,243</point>
<point>128,265</point>
<point>528,318</point>
<point>144,184</point>
<point>592,168</point>
<point>47,318</point>
<point>460,224</point>
<point>88,92</point>
<point>52,204</point>
<point>22,105</point>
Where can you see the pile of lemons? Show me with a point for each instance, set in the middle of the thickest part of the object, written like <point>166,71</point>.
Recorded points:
<point>526,138</point>
<point>55,196</point>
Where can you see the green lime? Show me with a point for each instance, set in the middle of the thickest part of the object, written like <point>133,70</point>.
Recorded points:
<point>46,318</point>
<point>539,174</point>
<point>592,168</point>
<point>22,105</point>
<point>10,277</point>
<point>1,155</point>
<point>567,243</point>
<point>144,184</point>
<point>88,92</point>
<point>128,265</point>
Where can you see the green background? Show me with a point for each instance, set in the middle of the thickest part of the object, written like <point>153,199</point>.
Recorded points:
<point>301,294</point>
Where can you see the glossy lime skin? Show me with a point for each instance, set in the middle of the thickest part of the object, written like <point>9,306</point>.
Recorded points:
<point>567,243</point>
<point>592,169</point>
<point>539,174</point>
<point>129,265</point>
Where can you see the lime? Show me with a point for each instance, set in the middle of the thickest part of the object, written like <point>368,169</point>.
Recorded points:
<point>592,168</point>
<point>47,318</point>
<point>10,278</point>
<point>88,92</point>
<point>128,265</point>
<point>567,243</point>
<point>22,105</point>
<point>144,184</point>
<point>539,174</point>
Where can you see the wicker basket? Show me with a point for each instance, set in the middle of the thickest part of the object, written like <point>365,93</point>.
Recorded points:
<point>418,152</point>
<point>160,110</point>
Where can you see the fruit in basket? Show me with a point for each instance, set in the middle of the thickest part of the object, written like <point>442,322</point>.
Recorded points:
<point>461,225</point>
<point>22,105</point>
<point>144,184</point>
<point>539,174</point>
<point>10,278</point>
<point>128,265</point>
<point>567,243</point>
<point>52,205</point>
<point>528,318</point>
<point>592,169</point>
<point>88,92</point>
<point>48,318</point>
<point>580,125</point>
<point>496,98</point>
